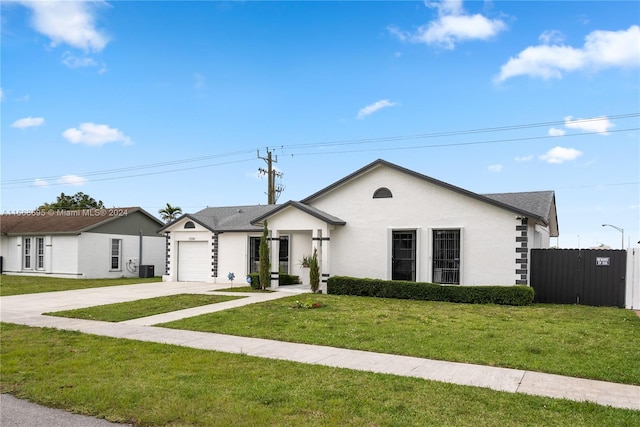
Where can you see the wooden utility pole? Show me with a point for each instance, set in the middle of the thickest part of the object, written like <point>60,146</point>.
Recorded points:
<point>273,190</point>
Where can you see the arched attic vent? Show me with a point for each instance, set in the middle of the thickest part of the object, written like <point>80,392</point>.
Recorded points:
<point>382,193</point>
<point>189,224</point>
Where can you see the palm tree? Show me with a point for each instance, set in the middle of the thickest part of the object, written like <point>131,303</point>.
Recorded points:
<point>169,213</point>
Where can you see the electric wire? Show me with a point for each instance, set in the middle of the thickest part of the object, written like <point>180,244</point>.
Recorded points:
<point>29,182</point>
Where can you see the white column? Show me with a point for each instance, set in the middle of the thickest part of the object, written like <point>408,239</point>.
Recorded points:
<point>324,262</point>
<point>274,255</point>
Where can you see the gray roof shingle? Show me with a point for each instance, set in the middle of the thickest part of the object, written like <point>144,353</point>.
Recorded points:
<point>536,202</point>
<point>231,218</point>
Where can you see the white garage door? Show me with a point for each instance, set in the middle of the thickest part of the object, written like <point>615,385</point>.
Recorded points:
<point>194,262</point>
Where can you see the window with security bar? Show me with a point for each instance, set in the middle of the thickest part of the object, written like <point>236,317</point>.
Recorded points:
<point>254,254</point>
<point>446,256</point>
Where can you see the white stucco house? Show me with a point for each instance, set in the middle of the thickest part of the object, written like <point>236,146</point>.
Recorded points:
<point>382,221</point>
<point>87,243</point>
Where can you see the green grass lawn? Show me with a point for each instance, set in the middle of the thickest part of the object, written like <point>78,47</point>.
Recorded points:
<point>18,285</point>
<point>150,384</point>
<point>579,341</point>
<point>122,311</point>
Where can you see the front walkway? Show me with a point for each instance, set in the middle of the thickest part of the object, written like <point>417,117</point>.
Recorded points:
<point>28,309</point>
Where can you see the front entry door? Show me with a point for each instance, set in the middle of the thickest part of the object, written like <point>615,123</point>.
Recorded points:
<point>403,257</point>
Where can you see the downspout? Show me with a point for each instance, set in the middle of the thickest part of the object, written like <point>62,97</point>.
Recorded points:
<point>140,254</point>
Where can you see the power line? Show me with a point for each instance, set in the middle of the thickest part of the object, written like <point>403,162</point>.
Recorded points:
<point>28,182</point>
<point>456,144</point>
<point>140,167</point>
<point>464,132</point>
<point>148,173</point>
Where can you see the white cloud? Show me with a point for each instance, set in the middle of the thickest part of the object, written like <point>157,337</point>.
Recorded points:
<point>599,125</point>
<point>602,49</point>
<point>73,61</point>
<point>495,168</point>
<point>452,26</point>
<point>28,122</point>
<point>68,22</point>
<point>560,155</point>
<point>551,36</point>
<point>372,108</point>
<point>524,158</point>
<point>74,180</point>
<point>557,132</point>
<point>95,135</point>
<point>40,182</point>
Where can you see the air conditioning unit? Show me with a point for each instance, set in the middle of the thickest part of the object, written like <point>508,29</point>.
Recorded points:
<point>146,271</point>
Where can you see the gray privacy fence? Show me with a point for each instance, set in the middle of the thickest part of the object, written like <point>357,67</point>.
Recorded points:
<point>586,276</point>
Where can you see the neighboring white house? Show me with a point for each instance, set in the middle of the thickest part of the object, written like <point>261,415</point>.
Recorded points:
<point>382,221</point>
<point>88,243</point>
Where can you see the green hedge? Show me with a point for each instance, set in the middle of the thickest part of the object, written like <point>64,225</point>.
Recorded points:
<point>285,279</point>
<point>505,295</point>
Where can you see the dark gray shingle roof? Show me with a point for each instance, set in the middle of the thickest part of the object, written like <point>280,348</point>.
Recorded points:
<point>536,202</point>
<point>231,218</point>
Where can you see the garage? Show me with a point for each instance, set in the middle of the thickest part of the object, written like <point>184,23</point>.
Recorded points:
<point>194,262</point>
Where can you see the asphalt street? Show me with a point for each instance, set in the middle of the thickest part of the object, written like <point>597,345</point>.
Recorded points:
<point>22,413</point>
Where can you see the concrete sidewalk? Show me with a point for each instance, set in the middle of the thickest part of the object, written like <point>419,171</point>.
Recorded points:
<point>28,309</point>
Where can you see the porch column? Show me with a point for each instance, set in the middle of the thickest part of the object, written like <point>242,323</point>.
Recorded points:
<point>324,262</point>
<point>321,243</point>
<point>274,255</point>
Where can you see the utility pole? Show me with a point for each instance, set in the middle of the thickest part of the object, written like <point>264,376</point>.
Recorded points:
<point>273,190</point>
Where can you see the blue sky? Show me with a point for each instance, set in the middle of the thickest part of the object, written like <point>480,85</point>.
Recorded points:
<point>144,103</point>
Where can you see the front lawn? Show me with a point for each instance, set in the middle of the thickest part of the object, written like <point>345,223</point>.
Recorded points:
<point>119,312</point>
<point>18,285</point>
<point>150,384</point>
<point>579,341</point>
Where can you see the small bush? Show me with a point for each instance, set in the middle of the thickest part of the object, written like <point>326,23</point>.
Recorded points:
<point>288,279</point>
<point>255,280</point>
<point>504,295</point>
<point>284,279</point>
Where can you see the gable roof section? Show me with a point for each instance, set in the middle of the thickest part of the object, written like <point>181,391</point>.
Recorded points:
<point>317,213</point>
<point>64,222</point>
<point>228,218</point>
<point>542,203</point>
<point>537,202</point>
<point>378,163</point>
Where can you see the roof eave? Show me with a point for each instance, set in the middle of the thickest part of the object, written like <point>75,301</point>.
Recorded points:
<point>189,216</point>
<point>443,184</point>
<point>301,206</point>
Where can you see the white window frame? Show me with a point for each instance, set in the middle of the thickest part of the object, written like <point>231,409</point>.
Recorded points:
<point>113,256</point>
<point>27,253</point>
<point>418,261</point>
<point>286,237</point>
<point>39,253</point>
<point>462,269</point>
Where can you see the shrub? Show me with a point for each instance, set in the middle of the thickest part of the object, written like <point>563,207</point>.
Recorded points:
<point>284,279</point>
<point>288,279</point>
<point>255,280</point>
<point>314,271</point>
<point>504,295</point>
